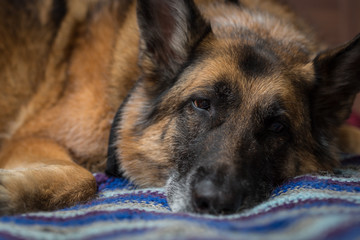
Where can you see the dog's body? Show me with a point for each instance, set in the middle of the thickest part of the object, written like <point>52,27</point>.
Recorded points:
<point>226,97</point>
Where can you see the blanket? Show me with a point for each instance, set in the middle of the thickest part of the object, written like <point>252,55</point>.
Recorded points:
<point>317,206</point>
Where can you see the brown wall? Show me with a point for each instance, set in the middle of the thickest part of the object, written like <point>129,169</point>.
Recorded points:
<point>334,21</point>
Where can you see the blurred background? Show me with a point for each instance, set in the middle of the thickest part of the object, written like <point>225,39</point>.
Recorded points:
<point>334,21</point>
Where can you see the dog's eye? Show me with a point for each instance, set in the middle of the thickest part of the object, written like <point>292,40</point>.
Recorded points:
<point>276,127</point>
<point>201,104</point>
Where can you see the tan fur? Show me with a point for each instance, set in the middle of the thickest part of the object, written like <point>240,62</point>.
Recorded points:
<point>349,139</point>
<point>60,89</point>
<point>67,116</point>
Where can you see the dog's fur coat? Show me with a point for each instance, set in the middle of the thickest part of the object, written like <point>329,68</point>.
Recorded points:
<point>223,100</point>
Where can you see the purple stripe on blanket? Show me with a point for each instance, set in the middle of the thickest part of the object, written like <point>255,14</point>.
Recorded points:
<point>348,231</point>
<point>4,235</point>
<point>105,182</point>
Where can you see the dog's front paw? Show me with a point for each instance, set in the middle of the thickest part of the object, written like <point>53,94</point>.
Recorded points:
<point>8,201</point>
<point>44,188</point>
<point>5,201</point>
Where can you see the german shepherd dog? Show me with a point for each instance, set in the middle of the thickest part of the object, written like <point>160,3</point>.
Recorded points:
<point>221,100</point>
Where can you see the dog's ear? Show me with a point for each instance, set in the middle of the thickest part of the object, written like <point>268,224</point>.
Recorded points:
<point>169,29</point>
<point>337,82</point>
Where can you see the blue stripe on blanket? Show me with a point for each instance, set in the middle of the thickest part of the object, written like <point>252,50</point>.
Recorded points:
<point>311,182</point>
<point>306,207</point>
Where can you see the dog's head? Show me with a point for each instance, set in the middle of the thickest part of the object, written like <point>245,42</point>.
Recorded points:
<point>229,104</point>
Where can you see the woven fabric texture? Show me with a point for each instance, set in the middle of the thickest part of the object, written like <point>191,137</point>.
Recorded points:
<point>320,206</point>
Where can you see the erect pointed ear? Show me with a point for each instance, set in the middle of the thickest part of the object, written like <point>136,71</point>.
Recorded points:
<point>169,29</point>
<point>337,82</point>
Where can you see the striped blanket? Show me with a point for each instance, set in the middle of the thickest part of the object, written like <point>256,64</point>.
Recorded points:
<point>307,207</point>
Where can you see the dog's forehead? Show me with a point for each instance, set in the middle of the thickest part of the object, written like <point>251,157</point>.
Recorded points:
<point>252,73</point>
<point>251,77</point>
<point>256,61</point>
<point>241,64</point>
<point>228,21</point>
<point>257,56</point>
<point>253,61</point>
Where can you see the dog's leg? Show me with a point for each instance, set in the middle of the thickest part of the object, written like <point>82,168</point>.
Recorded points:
<point>38,174</point>
<point>349,139</point>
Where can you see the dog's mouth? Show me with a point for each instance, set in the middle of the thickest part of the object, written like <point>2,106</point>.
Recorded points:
<point>211,196</point>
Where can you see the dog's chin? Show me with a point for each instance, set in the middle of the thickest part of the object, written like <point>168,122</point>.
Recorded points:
<point>178,194</point>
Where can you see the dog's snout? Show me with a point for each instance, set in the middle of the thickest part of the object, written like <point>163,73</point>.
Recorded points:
<point>205,196</point>
<point>208,197</point>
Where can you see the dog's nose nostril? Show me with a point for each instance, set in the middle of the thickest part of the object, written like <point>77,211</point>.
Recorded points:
<point>202,204</point>
<point>205,197</point>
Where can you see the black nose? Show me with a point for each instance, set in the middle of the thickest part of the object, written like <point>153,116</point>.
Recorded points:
<point>208,197</point>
